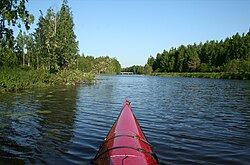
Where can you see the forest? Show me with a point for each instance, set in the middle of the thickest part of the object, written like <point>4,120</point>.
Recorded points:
<point>229,58</point>
<point>49,55</point>
<point>229,55</point>
<point>50,52</point>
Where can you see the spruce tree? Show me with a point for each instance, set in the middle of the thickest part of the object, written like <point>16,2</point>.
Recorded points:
<point>67,46</point>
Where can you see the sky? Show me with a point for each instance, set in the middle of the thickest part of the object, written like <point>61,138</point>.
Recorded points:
<point>133,30</point>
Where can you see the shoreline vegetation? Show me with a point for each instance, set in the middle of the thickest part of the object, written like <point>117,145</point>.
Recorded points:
<point>225,59</point>
<point>49,56</point>
<point>146,70</point>
<point>215,75</point>
<point>18,79</point>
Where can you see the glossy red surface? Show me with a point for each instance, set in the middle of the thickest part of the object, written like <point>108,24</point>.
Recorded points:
<point>126,143</point>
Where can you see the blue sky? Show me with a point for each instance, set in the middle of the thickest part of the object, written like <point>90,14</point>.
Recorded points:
<point>132,30</point>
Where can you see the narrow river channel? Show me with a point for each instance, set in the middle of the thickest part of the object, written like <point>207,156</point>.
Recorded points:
<point>187,120</point>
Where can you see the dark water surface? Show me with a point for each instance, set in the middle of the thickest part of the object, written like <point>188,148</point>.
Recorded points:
<point>188,121</point>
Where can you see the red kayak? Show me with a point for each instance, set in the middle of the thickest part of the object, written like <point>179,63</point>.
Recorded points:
<point>125,143</point>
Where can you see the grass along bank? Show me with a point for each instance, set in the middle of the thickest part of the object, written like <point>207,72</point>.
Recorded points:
<point>217,75</point>
<point>18,79</point>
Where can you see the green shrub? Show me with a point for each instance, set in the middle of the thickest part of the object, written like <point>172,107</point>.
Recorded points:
<point>23,78</point>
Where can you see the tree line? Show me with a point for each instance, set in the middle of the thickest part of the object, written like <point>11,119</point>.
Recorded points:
<point>52,46</point>
<point>138,69</point>
<point>99,65</point>
<point>229,55</point>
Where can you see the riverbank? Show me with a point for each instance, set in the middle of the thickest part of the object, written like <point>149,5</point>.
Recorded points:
<point>18,79</point>
<point>216,75</point>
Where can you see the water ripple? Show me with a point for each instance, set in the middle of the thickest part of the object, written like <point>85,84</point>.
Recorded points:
<point>188,121</point>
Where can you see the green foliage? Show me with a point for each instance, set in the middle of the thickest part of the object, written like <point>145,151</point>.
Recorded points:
<point>55,45</point>
<point>232,66</point>
<point>100,65</point>
<point>71,77</point>
<point>85,64</point>
<point>26,77</point>
<point>8,57</point>
<point>50,30</point>
<point>151,60</point>
<point>230,55</point>
<point>245,65</point>
<point>116,66</point>
<point>25,48</point>
<point>204,67</point>
<point>13,12</point>
<point>136,69</point>
<point>148,69</point>
<point>237,65</point>
<point>17,79</point>
<point>66,44</point>
<point>49,56</point>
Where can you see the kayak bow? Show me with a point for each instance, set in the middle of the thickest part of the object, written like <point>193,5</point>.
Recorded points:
<point>125,143</point>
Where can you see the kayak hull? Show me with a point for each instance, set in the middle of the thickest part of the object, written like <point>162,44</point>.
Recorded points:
<point>125,142</point>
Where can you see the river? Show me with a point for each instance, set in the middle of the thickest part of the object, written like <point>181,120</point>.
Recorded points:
<point>187,120</point>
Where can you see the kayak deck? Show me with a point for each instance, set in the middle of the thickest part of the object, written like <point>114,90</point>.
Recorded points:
<point>125,142</point>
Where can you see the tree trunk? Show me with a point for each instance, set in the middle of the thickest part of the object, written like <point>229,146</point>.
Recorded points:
<point>23,58</point>
<point>28,59</point>
<point>37,61</point>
